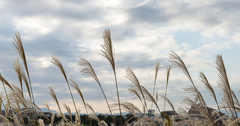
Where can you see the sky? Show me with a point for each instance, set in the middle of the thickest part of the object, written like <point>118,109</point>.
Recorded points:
<point>143,33</point>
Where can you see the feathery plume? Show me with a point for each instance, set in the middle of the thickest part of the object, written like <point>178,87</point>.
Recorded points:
<point>23,76</point>
<point>132,77</point>
<point>223,83</point>
<point>93,114</point>
<point>131,108</point>
<point>135,92</point>
<point>18,47</point>
<point>17,67</point>
<point>77,88</point>
<point>168,75</point>
<point>47,106</point>
<point>107,48</point>
<point>157,67</point>
<point>107,52</point>
<point>168,101</point>
<point>150,97</point>
<point>52,93</point>
<point>57,62</point>
<point>207,85</point>
<point>87,69</point>
<point>68,110</point>
<point>4,81</point>
<point>178,62</point>
<point>199,108</point>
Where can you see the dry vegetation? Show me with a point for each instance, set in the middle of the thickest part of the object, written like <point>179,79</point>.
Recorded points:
<point>18,106</point>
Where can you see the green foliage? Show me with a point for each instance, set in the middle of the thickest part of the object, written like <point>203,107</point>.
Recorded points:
<point>169,122</point>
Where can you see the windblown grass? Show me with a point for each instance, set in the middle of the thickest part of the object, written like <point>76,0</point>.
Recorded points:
<point>17,105</point>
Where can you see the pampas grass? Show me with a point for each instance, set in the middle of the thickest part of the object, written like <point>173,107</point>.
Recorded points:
<point>52,93</point>
<point>157,67</point>
<point>87,69</point>
<point>107,52</point>
<point>17,105</point>
<point>168,75</point>
<point>5,82</point>
<point>77,88</point>
<point>224,85</point>
<point>18,47</point>
<point>57,62</point>
<point>132,77</point>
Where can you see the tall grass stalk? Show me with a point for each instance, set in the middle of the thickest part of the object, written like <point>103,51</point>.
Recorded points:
<point>17,67</point>
<point>52,93</point>
<point>223,83</point>
<point>150,97</point>
<point>168,75</point>
<point>157,66</point>
<point>18,47</point>
<point>109,55</point>
<point>178,62</point>
<point>168,101</point>
<point>4,81</point>
<point>207,85</point>
<point>15,102</point>
<point>135,92</point>
<point>57,62</point>
<point>132,77</point>
<point>87,69</point>
<point>77,88</point>
<point>68,110</point>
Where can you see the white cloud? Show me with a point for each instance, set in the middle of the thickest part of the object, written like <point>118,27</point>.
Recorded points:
<point>115,17</point>
<point>236,37</point>
<point>215,46</point>
<point>142,34</point>
<point>41,62</point>
<point>36,25</point>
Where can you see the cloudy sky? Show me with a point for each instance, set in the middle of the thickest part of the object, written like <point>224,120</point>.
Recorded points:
<point>144,32</point>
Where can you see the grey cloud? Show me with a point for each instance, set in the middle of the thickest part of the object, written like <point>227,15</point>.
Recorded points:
<point>119,33</point>
<point>228,5</point>
<point>147,13</point>
<point>7,28</point>
<point>32,8</point>
<point>89,14</point>
<point>64,41</point>
<point>26,7</point>
<point>74,1</point>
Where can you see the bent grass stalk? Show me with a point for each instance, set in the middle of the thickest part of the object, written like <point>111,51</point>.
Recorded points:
<point>15,99</point>
<point>57,62</point>
<point>223,83</point>
<point>77,88</point>
<point>18,47</point>
<point>132,77</point>
<point>52,93</point>
<point>87,69</point>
